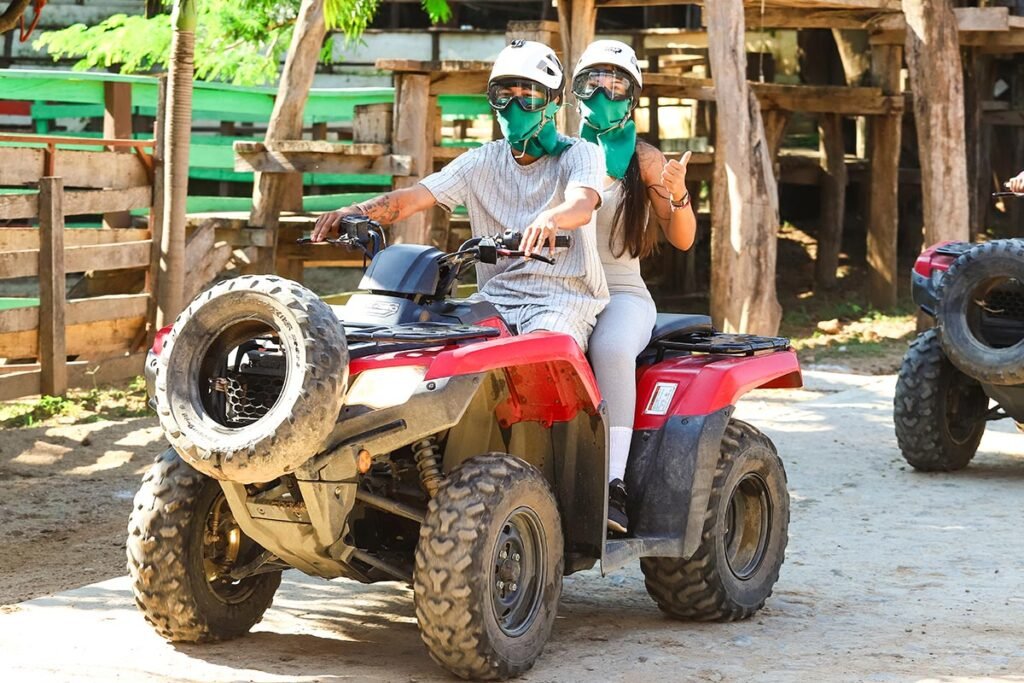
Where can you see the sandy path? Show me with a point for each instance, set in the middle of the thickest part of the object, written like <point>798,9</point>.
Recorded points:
<point>890,575</point>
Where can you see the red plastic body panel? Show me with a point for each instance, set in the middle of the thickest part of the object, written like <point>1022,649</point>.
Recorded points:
<point>929,260</point>
<point>548,376</point>
<point>705,384</point>
<point>158,339</point>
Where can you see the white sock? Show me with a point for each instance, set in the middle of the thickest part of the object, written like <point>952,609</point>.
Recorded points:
<point>618,452</point>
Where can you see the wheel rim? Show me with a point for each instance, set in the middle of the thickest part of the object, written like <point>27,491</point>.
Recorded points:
<point>222,544</point>
<point>965,405</point>
<point>995,312</point>
<point>227,398</point>
<point>748,526</point>
<point>517,582</point>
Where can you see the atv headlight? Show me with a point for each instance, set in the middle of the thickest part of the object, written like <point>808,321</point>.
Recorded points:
<point>385,387</point>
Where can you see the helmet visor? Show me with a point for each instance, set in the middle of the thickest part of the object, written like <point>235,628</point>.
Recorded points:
<point>616,84</point>
<point>530,95</point>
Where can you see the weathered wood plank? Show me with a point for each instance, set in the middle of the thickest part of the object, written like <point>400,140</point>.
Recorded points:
<point>79,202</point>
<point>78,311</point>
<point>53,378</point>
<point>321,162</point>
<point>91,340</point>
<point>78,168</point>
<point>833,199</point>
<point>25,263</point>
<point>13,239</point>
<point>19,381</point>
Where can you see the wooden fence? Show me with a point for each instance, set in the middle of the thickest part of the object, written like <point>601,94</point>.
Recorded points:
<point>65,343</point>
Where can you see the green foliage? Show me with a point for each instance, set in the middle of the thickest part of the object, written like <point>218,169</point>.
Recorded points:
<point>28,414</point>
<point>80,406</point>
<point>242,42</point>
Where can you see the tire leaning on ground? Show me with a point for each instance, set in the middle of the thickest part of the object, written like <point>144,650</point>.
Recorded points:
<point>489,566</point>
<point>181,541</point>
<point>195,352</point>
<point>743,543</point>
<point>971,278</point>
<point>938,410</point>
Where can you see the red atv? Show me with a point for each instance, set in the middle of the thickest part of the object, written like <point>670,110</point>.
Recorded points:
<point>410,436</point>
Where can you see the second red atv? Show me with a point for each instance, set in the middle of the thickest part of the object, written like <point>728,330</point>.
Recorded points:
<point>410,436</point>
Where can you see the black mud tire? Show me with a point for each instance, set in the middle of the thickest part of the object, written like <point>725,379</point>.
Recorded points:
<point>166,532</point>
<point>969,280</point>
<point>707,587</point>
<point>938,410</point>
<point>470,627</point>
<point>311,397</point>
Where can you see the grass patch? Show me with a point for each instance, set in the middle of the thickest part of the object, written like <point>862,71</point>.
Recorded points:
<point>79,406</point>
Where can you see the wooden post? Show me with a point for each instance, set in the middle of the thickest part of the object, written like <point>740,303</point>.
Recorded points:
<point>883,213</point>
<point>833,198</point>
<point>53,380</point>
<point>274,192</point>
<point>576,19</point>
<point>373,123</point>
<point>978,88</point>
<point>156,211</point>
<point>936,79</point>
<point>117,124</point>
<point>855,55</point>
<point>413,135</point>
<point>745,206</point>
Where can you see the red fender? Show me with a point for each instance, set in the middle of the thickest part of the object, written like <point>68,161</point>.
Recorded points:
<point>549,378</point>
<point>705,384</point>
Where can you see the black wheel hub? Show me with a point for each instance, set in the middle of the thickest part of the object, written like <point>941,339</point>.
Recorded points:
<point>517,580</point>
<point>966,405</point>
<point>748,526</point>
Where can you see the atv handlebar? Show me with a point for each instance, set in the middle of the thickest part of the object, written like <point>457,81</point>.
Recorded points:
<point>360,232</point>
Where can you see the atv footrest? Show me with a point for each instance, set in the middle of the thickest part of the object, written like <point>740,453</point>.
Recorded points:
<point>727,344</point>
<point>619,552</point>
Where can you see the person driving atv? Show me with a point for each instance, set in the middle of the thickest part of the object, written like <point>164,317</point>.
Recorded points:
<point>607,83</point>
<point>534,180</point>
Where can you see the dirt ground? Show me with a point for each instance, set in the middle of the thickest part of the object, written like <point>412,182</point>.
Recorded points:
<point>890,575</point>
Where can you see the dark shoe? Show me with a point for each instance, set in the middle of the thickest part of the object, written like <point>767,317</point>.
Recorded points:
<point>618,522</point>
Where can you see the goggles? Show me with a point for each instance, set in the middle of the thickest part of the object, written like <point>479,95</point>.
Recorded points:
<point>530,95</point>
<point>615,83</point>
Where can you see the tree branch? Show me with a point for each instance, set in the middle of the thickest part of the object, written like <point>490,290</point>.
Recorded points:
<point>9,19</point>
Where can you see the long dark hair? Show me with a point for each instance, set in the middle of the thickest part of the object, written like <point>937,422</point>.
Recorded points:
<point>629,225</point>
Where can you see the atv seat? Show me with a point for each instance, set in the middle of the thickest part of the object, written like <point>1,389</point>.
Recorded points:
<point>669,327</point>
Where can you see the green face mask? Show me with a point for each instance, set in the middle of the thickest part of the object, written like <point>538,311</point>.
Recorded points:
<point>607,123</point>
<point>531,132</point>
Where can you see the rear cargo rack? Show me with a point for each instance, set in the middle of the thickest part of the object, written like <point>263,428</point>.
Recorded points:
<point>720,343</point>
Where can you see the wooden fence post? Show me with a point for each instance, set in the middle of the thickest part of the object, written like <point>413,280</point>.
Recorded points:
<point>413,135</point>
<point>117,124</point>
<point>53,380</point>
<point>833,198</point>
<point>883,211</point>
<point>745,203</point>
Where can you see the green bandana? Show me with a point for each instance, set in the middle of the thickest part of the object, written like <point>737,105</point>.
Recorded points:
<point>531,132</point>
<point>607,123</point>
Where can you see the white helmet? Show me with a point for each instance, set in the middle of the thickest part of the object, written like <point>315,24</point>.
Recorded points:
<point>530,60</point>
<point>614,53</point>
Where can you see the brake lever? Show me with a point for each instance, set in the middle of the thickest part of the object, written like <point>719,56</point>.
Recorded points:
<point>506,253</point>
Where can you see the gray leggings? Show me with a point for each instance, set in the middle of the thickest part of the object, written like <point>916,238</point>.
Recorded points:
<point>623,330</point>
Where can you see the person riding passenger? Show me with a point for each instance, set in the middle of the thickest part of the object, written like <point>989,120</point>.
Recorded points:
<point>607,82</point>
<point>534,180</point>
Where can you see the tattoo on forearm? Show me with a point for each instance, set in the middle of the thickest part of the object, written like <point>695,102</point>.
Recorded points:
<point>383,209</point>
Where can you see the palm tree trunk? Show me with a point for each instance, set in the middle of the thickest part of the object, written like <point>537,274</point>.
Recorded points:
<point>177,130</point>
